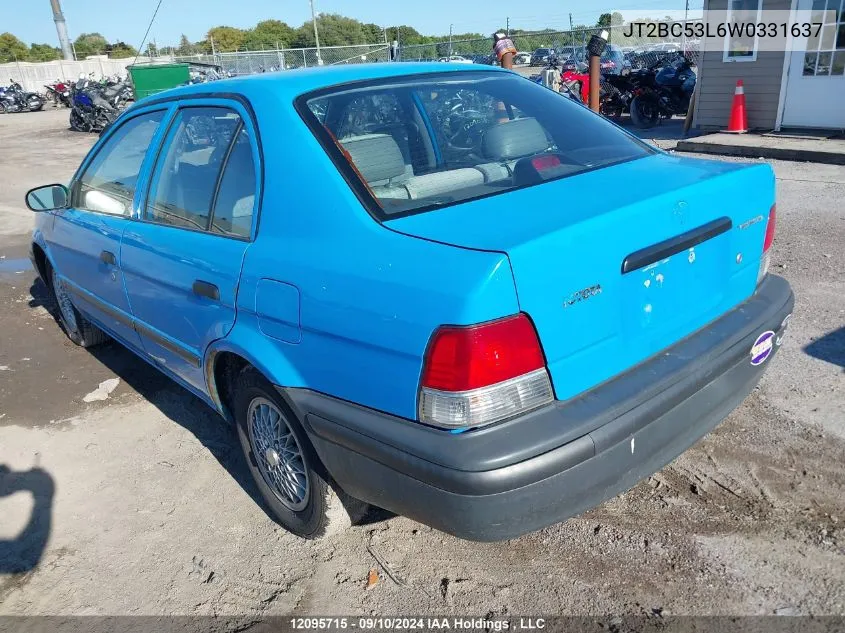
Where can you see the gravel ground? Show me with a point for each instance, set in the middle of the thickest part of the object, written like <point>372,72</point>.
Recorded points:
<point>141,503</point>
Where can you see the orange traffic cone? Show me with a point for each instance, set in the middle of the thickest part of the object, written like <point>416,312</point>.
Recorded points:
<point>738,123</point>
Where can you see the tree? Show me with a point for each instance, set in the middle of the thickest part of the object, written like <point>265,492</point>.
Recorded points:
<point>407,35</point>
<point>337,30</point>
<point>269,34</point>
<point>122,50</point>
<point>43,53</point>
<point>11,48</point>
<point>90,44</point>
<point>226,38</point>
<point>185,46</point>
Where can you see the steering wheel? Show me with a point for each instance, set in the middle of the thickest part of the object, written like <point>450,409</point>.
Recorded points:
<point>463,126</point>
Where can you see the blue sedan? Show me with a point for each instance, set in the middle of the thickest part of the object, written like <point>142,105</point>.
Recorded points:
<point>438,289</point>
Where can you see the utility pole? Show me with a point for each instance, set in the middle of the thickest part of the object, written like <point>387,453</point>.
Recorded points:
<point>316,36</point>
<point>571,34</point>
<point>684,38</point>
<point>450,41</point>
<point>508,27</point>
<point>61,29</point>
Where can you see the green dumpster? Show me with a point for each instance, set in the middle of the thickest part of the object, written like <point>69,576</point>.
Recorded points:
<point>148,79</point>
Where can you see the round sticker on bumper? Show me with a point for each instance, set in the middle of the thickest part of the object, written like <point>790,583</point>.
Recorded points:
<point>762,348</point>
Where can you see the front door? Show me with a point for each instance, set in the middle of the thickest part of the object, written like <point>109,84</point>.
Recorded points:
<point>84,243</point>
<point>182,260</point>
<point>815,86</point>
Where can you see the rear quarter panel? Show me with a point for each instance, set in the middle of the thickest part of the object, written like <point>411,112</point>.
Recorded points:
<point>365,299</point>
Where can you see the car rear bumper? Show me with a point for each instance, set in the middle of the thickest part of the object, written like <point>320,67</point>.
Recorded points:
<point>541,468</point>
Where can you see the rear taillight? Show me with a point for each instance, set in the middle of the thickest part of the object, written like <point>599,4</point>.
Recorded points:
<point>482,374</point>
<point>767,244</point>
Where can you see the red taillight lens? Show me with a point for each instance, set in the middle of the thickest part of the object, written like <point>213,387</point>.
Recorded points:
<point>545,162</point>
<point>465,358</point>
<point>770,229</point>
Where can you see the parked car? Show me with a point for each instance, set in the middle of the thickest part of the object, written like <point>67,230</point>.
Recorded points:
<point>613,61</point>
<point>487,323</point>
<point>522,59</point>
<point>540,56</point>
<point>487,60</point>
<point>456,59</point>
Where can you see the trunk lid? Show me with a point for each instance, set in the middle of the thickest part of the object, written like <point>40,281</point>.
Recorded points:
<point>617,264</point>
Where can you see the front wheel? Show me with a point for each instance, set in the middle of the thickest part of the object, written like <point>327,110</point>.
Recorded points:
<point>78,122</point>
<point>645,112</point>
<point>34,104</point>
<point>285,466</point>
<point>78,329</point>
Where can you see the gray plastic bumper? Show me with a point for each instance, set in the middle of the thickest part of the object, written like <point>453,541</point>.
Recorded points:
<point>524,474</point>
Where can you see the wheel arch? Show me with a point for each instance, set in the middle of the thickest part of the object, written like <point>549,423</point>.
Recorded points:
<point>227,357</point>
<point>41,261</point>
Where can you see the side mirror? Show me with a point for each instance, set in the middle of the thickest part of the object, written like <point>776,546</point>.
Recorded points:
<point>47,198</point>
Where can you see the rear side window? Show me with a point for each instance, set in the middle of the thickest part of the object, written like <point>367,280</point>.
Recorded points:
<point>190,173</point>
<point>233,209</point>
<point>108,183</point>
<point>422,142</point>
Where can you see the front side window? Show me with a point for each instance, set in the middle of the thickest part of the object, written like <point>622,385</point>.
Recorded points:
<point>187,172</point>
<point>109,182</point>
<point>454,137</point>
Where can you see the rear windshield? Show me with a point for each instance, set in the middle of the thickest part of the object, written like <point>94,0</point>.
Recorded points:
<point>422,142</point>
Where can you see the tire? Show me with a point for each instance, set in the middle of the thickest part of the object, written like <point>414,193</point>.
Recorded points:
<point>6,107</point>
<point>77,328</point>
<point>302,497</point>
<point>645,112</point>
<point>77,122</point>
<point>34,104</point>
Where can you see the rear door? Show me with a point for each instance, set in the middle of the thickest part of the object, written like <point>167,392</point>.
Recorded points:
<point>182,259</point>
<point>84,243</point>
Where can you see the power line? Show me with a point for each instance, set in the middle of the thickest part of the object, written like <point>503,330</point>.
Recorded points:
<point>149,26</point>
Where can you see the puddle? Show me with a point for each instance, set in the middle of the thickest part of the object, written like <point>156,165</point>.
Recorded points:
<point>14,269</point>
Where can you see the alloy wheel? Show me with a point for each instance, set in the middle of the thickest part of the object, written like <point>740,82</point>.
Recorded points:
<point>278,454</point>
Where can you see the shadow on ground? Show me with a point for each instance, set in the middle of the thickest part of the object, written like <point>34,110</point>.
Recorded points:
<point>179,405</point>
<point>829,348</point>
<point>22,553</point>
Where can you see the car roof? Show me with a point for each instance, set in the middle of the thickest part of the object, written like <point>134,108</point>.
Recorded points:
<point>296,82</point>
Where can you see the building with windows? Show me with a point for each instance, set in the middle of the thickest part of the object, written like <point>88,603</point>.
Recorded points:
<point>802,86</point>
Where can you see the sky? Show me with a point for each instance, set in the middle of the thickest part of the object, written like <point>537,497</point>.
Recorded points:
<point>127,20</point>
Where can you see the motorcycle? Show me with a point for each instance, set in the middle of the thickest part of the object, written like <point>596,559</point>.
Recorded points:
<point>663,93</point>
<point>15,99</point>
<point>555,78</point>
<point>59,92</point>
<point>96,106</point>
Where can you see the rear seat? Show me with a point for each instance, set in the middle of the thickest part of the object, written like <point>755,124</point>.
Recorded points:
<point>379,160</point>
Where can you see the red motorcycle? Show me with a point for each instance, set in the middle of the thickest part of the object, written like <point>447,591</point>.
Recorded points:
<point>59,92</point>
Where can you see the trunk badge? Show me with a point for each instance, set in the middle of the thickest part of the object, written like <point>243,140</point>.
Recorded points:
<point>582,295</point>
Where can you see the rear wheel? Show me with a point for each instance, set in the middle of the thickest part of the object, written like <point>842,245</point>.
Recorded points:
<point>78,329</point>
<point>34,104</point>
<point>290,476</point>
<point>645,112</point>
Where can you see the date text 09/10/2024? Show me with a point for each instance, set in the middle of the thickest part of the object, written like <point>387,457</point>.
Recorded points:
<point>416,624</point>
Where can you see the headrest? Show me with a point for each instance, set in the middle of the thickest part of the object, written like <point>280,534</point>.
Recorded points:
<point>376,156</point>
<point>515,139</point>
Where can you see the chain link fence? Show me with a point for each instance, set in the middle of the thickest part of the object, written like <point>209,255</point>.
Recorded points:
<point>249,62</point>
<point>628,50</point>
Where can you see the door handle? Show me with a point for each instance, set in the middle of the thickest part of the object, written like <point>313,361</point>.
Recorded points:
<point>205,289</point>
<point>107,257</point>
